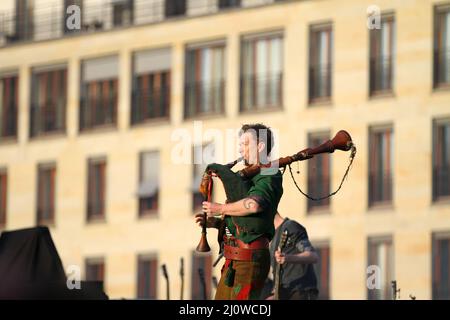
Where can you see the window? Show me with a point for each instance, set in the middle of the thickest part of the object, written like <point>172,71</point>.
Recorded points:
<point>24,20</point>
<point>381,255</point>
<point>201,276</point>
<point>202,156</point>
<point>99,91</point>
<point>441,266</point>
<point>46,194</point>
<point>441,62</point>
<point>205,79</point>
<point>67,4</point>
<point>3,196</point>
<point>147,277</point>
<point>48,100</point>
<point>318,174</point>
<point>322,269</point>
<point>381,159</point>
<point>382,53</point>
<point>9,93</point>
<point>96,189</point>
<point>261,72</point>
<point>151,85</point>
<point>441,159</point>
<point>320,62</point>
<point>175,8</point>
<point>148,183</point>
<point>95,270</point>
<point>229,4</point>
<point>123,13</point>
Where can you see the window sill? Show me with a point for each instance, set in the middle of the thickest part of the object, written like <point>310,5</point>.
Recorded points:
<point>320,102</point>
<point>380,206</point>
<point>43,223</point>
<point>99,129</point>
<point>205,116</point>
<point>148,215</point>
<point>8,140</point>
<point>96,220</point>
<point>441,87</point>
<point>441,201</point>
<point>261,110</point>
<point>151,122</point>
<point>49,135</point>
<point>385,94</point>
<point>318,211</point>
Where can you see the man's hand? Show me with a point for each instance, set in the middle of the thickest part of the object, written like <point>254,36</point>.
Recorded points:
<point>211,222</point>
<point>211,208</point>
<point>280,257</point>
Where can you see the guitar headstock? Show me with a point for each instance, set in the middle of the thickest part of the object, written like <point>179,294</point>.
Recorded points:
<point>283,240</point>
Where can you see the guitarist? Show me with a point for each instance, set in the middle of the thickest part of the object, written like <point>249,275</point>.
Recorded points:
<point>297,277</point>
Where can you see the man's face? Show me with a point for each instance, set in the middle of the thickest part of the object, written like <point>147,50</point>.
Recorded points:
<point>248,148</point>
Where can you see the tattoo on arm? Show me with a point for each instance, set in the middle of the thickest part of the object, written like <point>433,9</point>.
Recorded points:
<point>249,203</point>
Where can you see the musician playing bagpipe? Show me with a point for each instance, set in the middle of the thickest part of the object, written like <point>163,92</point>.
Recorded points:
<point>248,222</point>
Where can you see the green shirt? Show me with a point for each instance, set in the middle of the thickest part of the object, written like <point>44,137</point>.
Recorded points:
<point>267,190</point>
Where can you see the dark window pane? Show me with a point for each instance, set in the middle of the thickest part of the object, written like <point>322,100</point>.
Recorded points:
<point>148,190</point>
<point>381,255</point>
<point>380,165</point>
<point>322,269</point>
<point>261,72</point>
<point>229,3</point>
<point>175,8</point>
<point>123,13</point>
<point>440,266</point>
<point>205,80</point>
<point>441,159</point>
<point>151,96</point>
<point>48,105</point>
<point>320,62</point>
<point>95,270</point>
<point>46,194</point>
<point>8,106</point>
<point>3,197</point>
<point>382,55</point>
<point>318,174</point>
<point>147,278</point>
<point>98,103</point>
<point>441,61</point>
<point>96,189</point>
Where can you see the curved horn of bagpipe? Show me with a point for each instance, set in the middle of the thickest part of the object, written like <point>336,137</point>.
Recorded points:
<point>341,141</point>
<point>236,184</point>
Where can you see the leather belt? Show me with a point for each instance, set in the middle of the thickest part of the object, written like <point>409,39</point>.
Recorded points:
<point>235,253</point>
<point>260,243</point>
<point>244,251</point>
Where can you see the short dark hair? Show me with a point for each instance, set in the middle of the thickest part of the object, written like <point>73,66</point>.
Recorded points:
<point>263,134</point>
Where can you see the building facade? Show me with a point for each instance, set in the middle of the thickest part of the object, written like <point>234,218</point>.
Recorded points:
<point>91,111</point>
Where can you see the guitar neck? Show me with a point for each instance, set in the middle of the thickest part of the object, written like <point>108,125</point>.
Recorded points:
<point>276,286</point>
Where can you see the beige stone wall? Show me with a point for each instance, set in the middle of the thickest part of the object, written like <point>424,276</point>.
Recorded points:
<point>173,234</point>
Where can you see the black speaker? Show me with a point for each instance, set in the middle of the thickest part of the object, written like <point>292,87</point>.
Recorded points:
<point>30,268</point>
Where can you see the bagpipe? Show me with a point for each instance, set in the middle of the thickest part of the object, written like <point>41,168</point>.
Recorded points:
<point>237,184</point>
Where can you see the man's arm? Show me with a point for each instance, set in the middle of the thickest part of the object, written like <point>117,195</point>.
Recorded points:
<point>239,208</point>
<point>305,257</point>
